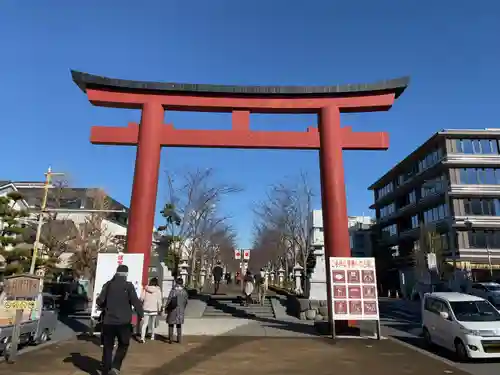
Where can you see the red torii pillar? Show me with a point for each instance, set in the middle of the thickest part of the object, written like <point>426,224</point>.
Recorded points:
<point>152,134</point>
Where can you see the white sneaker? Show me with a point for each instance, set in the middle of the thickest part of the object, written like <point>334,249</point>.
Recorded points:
<point>152,338</point>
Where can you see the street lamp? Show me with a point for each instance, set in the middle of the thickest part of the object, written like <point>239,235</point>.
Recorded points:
<point>469,225</point>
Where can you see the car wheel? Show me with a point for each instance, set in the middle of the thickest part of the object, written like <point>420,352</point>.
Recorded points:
<point>427,337</point>
<point>44,337</point>
<point>6,352</point>
<point>461,351</point>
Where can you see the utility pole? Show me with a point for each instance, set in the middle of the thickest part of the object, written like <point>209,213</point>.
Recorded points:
<point>48,180</point>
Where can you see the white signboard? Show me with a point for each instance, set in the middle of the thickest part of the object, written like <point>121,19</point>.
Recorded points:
<point>237,254</point>
<point>246,254</point>
<point>354,289</point>
<point>106,269</point>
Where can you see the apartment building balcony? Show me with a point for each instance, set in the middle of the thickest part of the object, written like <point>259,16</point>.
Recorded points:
<point>422,204</point>
<point>464,190</point>
<point>441,226</point>
<point>454,159</point>
<point>406,186</point>
<point>484,222</point>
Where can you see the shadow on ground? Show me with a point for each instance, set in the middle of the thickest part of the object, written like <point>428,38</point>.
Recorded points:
<point>194,357</point>
<point>76,324</point>
<point>218,303</point>
<point>418,342</point>
<point>84,363</point>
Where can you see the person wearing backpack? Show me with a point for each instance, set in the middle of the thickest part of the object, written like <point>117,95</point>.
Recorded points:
<point>175,307</point>
<point>116,300</point>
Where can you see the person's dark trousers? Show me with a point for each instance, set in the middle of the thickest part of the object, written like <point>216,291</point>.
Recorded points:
<point>122,334</point>
<point>216,286</point>
<point>171,332</point>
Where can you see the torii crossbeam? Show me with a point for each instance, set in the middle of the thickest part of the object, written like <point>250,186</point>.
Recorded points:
<point>153,98</point>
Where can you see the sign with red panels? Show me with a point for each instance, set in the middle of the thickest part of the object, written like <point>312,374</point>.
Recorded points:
<point>241,254</point>
<point>354,289</point>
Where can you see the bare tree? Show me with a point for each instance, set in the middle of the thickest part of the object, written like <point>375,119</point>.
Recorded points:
<point>222,242</point>
<point>57,232</point>
<point>283,217</point>
<point>193,213</point>
<point>268,248</point>
<point>93,237</point>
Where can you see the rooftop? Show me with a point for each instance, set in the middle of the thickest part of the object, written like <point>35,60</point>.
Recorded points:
<point>89,81</point>
<point>415,154</point>
<point>69,197</point>
<point>455,297</point>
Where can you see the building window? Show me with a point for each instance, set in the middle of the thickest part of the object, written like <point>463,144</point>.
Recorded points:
<point>433,186</point>
<point>69,203</point>
<point>430,160</point>
<point>480,239</point>
<point>387,210</point>
<point>477,146</point>
<point>415,223</point>
<point>390,230</point>
<point>409,174</point>
<point>479,176</point>
<point>389,188</point>
<point>412,197</point>
<point>437,213</point>
<point>482,207</point>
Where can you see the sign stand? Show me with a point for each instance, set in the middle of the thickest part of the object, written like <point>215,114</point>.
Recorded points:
<point>378,330</point>
<point>106,269</point>
<point>11,353</point>
<point>353,292</point>
<point>20,291</point>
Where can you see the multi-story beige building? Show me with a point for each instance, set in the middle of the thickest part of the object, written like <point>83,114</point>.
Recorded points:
<point>450,187</point>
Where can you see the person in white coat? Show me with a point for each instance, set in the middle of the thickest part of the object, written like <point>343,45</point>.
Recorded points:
<point>152,304</point>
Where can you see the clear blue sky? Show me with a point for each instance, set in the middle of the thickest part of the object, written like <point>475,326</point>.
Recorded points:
<point>449,48</point>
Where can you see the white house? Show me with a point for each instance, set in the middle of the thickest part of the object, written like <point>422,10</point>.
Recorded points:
<point>72,207</point>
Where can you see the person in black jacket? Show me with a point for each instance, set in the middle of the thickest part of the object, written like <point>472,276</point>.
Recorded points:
<point>218,273</point>
<point>116,300</point>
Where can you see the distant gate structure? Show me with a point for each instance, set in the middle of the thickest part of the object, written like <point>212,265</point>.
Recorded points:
<point>153,98</point>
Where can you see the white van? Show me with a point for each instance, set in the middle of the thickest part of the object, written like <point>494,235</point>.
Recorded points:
<point>468,325</point>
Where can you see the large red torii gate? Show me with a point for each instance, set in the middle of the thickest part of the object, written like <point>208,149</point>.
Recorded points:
<point>153,98</point>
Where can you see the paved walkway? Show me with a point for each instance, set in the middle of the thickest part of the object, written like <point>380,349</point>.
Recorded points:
<point>224,289</point>
<point>223,355</point>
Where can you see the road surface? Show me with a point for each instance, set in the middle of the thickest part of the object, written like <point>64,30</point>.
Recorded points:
<point>402,320</point>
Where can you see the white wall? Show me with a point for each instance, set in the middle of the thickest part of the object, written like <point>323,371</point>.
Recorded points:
<point>317,237</point>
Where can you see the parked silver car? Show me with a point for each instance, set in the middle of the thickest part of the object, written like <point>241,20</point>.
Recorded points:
<point>487,290</point>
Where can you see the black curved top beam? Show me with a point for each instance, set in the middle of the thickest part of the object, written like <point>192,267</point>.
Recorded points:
<point>89,81</point>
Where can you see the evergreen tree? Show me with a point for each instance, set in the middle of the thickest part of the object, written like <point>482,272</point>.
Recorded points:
<point>11,231</point>
<point>172,220</point>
